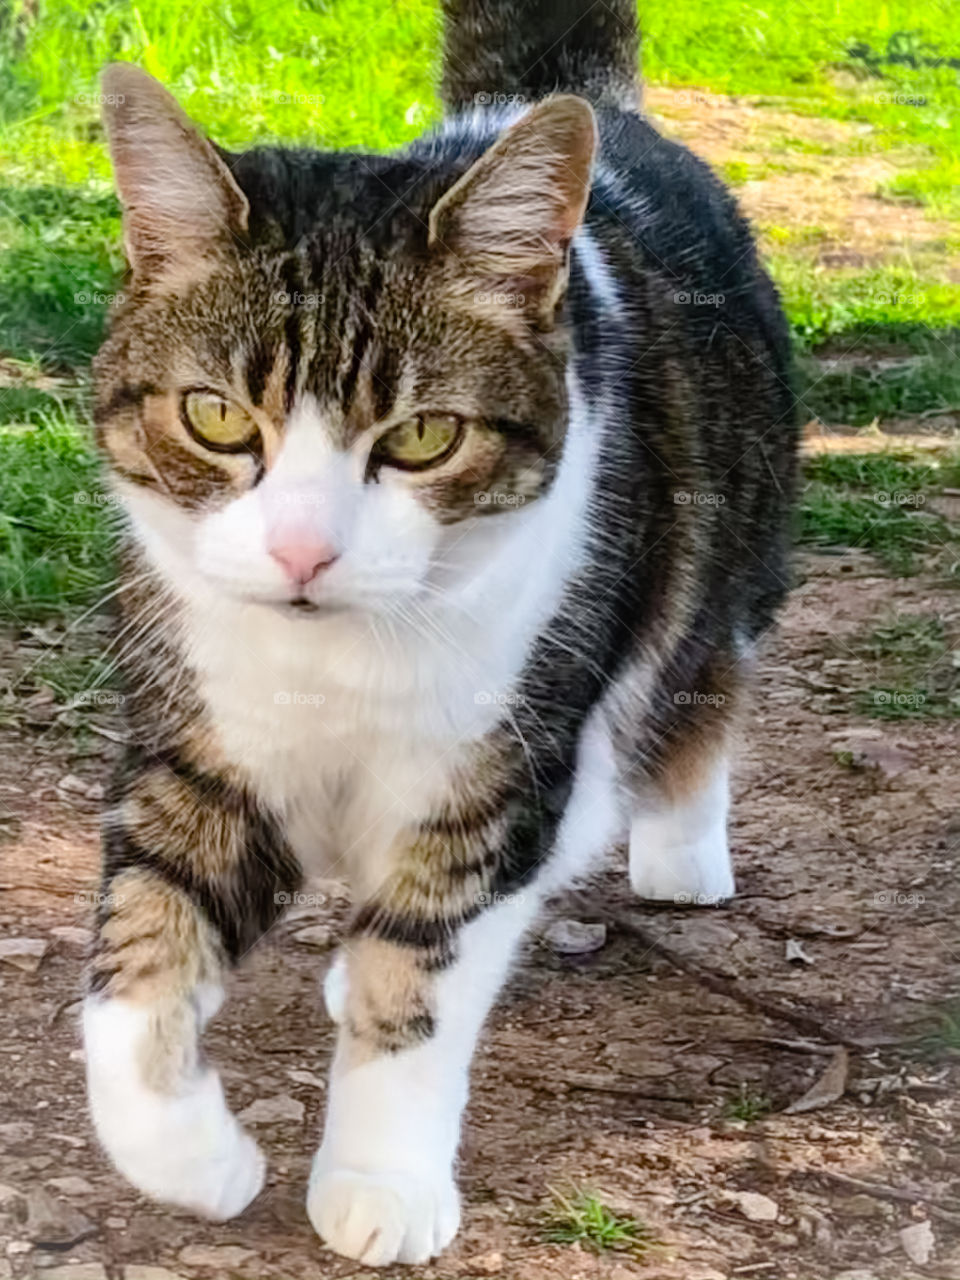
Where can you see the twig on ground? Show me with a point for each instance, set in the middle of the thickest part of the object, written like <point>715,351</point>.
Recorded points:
<point>900,1195</point>
<point>808,1023</point>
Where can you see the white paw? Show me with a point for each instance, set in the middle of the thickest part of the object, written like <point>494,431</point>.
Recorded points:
<point>186,1150</point>
<point>335,988</point>
<point>184,1147</point>
<point>685,876</point>
<point>679,852</point>
<point>379,1218</point>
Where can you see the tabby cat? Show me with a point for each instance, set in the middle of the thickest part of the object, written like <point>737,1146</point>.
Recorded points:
<point>456,487</point>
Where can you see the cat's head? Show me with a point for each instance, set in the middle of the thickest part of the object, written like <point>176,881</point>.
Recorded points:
<point>332,372</point>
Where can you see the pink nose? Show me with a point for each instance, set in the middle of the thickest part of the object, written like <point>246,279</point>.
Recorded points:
<point>303,558</point>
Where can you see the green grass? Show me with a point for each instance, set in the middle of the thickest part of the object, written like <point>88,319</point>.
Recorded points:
<point>915,636</point>
<point>69,675</point>
<point>54,520</point>
<point>353,73</point>
<point>881,503</point>
<point>912,661</point>
<point>581,1217</point>
<point>943,1039</point>
<point>884,65</point>
<point>916,376</point>
<point>747,1104</point>
<point>892,302</point>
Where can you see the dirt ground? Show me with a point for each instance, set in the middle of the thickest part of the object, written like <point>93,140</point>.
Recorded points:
<point>622,1070</point>
<point>803,172</point>
<point>616,1070</point>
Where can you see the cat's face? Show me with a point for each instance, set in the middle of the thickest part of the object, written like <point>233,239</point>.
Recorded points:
<point>330,416</point>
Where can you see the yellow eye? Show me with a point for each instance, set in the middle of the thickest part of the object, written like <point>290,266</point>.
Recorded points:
<point>216,422</point>
<point>421,442</point>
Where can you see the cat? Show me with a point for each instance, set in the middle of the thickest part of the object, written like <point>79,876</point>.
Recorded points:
<point>456,488</point>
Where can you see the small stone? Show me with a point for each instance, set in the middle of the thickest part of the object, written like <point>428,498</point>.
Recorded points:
<point>490,1264</point>
<point>857,1274</point>
<point>75,1271</point>
<point>71,1186</point>
<point>574,937</point>
<point>54,1223</point>
<point>140,1272</point>
<point>23,953</point>
<point>317,936</point>
<point>704,940</point>
<point>70,1139</point>
<point>73,936</point>
<point>73,785</point>
<point>754,1206</point>
<point>273,1110</point>
<point>19,1246</point>
<point>918,1241</point>
<point>306,1077</point>
<point>217,1256</point>
<point>9,1195</point>
<point>116,1224</point>
<point>795,954</point>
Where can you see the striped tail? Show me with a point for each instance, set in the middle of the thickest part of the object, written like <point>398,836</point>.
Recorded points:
<point>504,51</point>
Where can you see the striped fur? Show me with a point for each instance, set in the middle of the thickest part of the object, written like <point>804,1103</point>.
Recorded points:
<point>518,655</point>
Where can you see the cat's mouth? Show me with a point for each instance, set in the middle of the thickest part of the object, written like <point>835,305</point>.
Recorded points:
<point>300,606</point>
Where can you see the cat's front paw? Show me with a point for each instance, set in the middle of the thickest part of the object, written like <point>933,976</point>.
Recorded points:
<point>186,1151</point>
<point>379,1218</point>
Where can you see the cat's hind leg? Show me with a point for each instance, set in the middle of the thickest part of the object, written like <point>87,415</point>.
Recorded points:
<point>679,849</point>
<point>189,883</point>
<point>678,784</point>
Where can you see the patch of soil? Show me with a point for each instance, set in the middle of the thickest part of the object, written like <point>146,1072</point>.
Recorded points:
<point>834,186</point>
<point>620,1070</point>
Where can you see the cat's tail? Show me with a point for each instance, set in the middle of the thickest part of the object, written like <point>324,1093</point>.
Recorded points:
<point>516,51</point>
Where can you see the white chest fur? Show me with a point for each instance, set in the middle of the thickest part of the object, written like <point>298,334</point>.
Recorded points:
<point>349,724</point>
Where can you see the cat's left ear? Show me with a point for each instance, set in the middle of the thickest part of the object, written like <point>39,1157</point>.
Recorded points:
<point>505,227</point>
<point>180,201</point>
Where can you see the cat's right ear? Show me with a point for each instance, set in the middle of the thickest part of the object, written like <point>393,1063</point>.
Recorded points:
<point>180,201</point>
